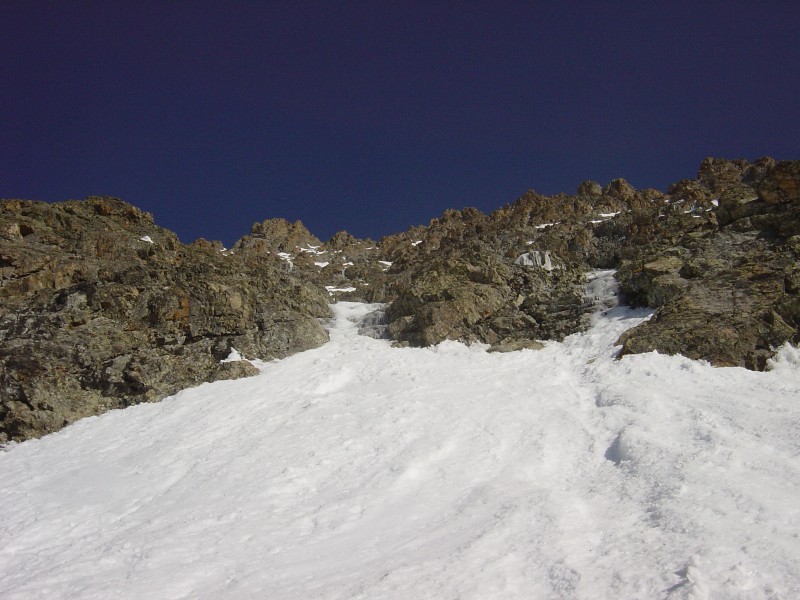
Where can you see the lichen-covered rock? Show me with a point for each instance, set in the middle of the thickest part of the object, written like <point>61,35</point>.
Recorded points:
<point>100,308</point>
<point>469,280</point>
<point>590,188</point>
<point>281,235</point>
<point>781,184</point>
<point>715,257</point>
<point>727,294</point>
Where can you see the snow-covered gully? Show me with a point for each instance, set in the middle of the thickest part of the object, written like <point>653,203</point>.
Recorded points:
<point>358,470</point>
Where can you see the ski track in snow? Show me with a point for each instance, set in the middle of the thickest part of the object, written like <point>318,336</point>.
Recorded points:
<point>358,470</point>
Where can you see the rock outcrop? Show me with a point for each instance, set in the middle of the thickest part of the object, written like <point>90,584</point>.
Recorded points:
<point>513,277</point>
<point>100,309</point>
<point>717,257</point>
<point>468,278</point>
<point>730,293</point>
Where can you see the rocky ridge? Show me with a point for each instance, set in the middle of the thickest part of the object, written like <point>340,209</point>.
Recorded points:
<point>716,257</point>
<point>102,308</point>
<point>728,292</point>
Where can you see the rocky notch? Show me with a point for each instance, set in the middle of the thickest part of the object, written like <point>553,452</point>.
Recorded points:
<point>716,256</point>
<point>516,276</point>
<point>101,309</point>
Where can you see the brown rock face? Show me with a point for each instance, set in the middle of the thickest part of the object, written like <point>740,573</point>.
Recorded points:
<point>281,235</point>
<point>782,185</point>
<point>717,257</point>
<point>727,294</point>
<point>483,291</point>
<point>100,308</point>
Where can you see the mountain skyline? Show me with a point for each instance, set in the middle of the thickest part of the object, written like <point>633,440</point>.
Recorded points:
<point>374,118</point>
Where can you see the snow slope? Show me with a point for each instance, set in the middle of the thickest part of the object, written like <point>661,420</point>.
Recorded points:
<point>358,470</point>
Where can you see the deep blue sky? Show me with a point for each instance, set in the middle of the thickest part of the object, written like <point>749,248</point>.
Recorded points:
<point>375,116</point>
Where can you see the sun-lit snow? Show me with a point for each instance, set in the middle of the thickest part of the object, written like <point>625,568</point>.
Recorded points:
<point>333,289</point>
<point>146,238</point>
<point>233,356</point>
<point>285,256</point>
<point>358,470</point>
<point>534,258</point>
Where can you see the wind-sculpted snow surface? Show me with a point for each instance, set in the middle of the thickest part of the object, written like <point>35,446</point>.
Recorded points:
<point>358,470</point>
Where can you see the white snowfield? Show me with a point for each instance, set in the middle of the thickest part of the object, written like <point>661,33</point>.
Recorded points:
<point>358,470</point>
